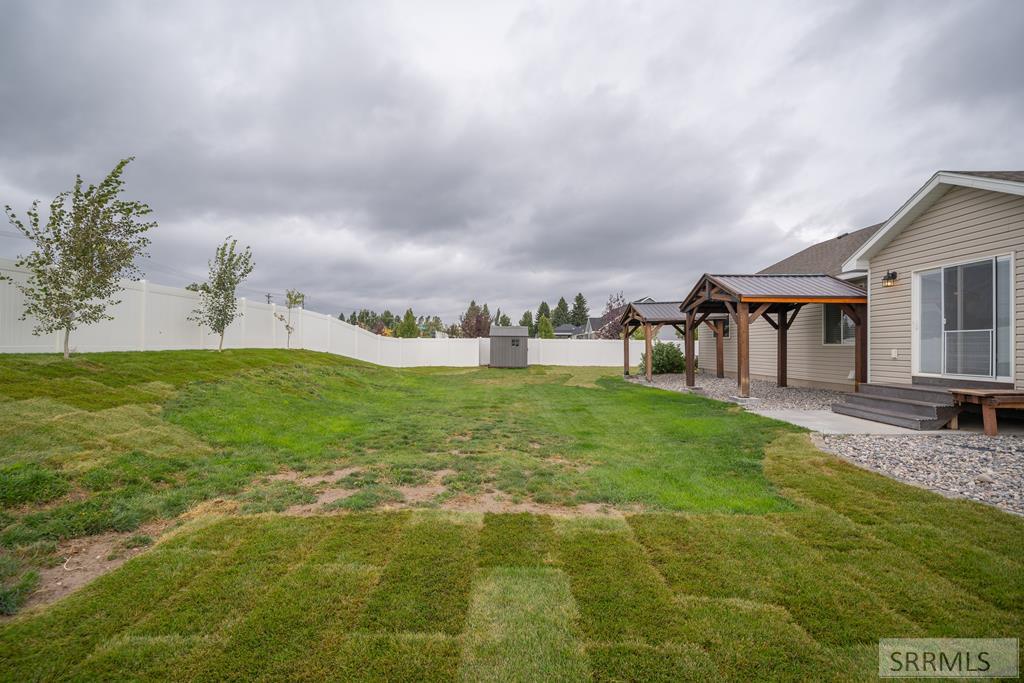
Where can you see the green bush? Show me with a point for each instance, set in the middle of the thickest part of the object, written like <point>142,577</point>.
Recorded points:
<point>668,358</point>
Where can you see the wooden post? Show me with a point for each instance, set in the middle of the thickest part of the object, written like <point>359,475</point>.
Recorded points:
<point>860,363</point>
<point>649,347</point>
<point>780,361</point>
<point>719,348</point>
<point>625,350</point>
<point>743,349</point>
<point>688,339</point>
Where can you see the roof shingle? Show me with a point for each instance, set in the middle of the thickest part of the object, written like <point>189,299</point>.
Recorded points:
<point>824,257</point>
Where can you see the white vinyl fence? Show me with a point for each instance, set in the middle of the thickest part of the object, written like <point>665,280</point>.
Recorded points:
<point>153,318</point>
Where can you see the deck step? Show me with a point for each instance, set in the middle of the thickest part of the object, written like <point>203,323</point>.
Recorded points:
<point>888,417</point>
<point>910,407</point>
<point>910,392</point>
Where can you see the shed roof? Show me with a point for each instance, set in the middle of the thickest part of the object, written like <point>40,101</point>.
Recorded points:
<point>511,331</point>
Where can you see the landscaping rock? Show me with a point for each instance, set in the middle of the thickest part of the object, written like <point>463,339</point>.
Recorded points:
<point>961,465</point>
<point>765,395</point>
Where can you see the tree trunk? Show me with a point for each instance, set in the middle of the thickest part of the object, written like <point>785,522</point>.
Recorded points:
<point>67,348</point>
<point>220,344</point>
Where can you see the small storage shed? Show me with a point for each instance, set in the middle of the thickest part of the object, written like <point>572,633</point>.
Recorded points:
<point>508,346</point>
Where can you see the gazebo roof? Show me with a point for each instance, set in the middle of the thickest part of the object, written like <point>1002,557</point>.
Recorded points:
<point>711,291</point>
<point>657,312</point>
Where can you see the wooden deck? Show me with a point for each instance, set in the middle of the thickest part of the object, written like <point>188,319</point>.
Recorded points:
<point>990,401</point>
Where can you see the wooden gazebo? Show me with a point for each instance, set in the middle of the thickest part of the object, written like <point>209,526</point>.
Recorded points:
<point>652,316</point>
<point>745,298</point>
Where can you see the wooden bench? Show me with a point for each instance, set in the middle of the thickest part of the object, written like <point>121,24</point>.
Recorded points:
<point>989,400</point>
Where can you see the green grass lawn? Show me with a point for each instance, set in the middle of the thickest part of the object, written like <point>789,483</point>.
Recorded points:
<point>731,548</point>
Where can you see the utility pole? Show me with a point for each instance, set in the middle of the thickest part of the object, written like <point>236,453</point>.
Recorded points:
<point>269,297</point>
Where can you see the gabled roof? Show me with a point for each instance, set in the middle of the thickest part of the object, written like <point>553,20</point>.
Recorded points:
<point>1009,182</point>
<point>801,285</point>
<point>824,257</point>
<point>712,293</point>
<point>654,312</point>
<point>595,323</point>
<point>511,331</point>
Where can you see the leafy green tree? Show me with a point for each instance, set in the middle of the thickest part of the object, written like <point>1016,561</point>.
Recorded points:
<point>432,325</point>
<point>544,328</point>
<point>527,322</point>
<point>408,328</point>
<point>484,322</point>
<point>218,306</point>
<point>503,320</point>
<point>454,331</point>
<point>560,316</point>
<point>89,243</point>
<point>580,311</point>
<point>543,311</point>
<point>293,299</point>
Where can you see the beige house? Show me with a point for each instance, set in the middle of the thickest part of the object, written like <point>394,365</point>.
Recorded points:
<point>944,278</point>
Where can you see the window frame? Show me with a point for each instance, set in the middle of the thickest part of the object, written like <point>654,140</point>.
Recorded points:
<point>915,300</point>
<point>824,328</point>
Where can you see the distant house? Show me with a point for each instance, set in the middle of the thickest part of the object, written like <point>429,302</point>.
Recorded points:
<point>566,331</point>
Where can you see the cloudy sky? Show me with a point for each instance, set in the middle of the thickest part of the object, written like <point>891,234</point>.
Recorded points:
<point>419,154</point>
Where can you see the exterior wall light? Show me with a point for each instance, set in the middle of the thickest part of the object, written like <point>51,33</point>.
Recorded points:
<point>889,279</point>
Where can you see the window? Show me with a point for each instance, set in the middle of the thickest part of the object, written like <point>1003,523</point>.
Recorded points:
<point>726,327</point>
<point>839,328</point>
<point>963,319</point>
<point>515,341</point>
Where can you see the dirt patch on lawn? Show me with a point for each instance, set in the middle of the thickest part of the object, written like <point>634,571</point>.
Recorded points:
<point>314,480</point>
<point>87,558</point>
<point>324,497</point>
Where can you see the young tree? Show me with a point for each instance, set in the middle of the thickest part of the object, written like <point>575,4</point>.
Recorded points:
<point>560,316</point>
<point>503,320</point>
<point>544,328</point>
<point>408,329</point>
<point>293,299</point>
<point>89,243</point>
<point>527,322</point>
<point>218,306</point>
<point>580,311</point>
<point>543,311</point>
<point>454,331</point>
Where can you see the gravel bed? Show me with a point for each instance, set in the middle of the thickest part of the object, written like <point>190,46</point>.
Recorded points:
<point>982,468</point>
<point>770,397</point>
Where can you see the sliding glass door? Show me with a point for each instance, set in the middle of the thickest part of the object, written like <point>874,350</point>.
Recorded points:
<point>964,319</point>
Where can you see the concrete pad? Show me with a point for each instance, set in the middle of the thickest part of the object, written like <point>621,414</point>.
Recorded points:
<point>827,422</point>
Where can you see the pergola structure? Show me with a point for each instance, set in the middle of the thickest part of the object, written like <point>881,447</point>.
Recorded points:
<point>652,316</point>
<point>745,298</point>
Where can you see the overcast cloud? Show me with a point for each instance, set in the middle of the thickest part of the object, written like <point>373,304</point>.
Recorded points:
<point>386,155</point>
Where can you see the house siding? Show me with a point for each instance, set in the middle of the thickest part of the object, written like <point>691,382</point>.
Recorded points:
<point>964,223</point>
<point>810,363</point>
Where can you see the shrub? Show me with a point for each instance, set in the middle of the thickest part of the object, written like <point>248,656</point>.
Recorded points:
<point>668,358</point>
